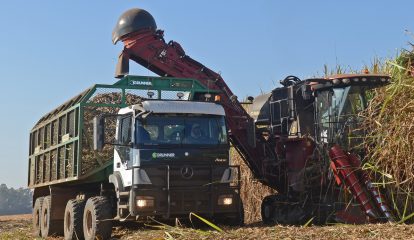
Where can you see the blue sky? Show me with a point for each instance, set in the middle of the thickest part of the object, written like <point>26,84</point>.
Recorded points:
<point>52,50</point>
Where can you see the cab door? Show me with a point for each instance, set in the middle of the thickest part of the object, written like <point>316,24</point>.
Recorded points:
<point>124,140</point>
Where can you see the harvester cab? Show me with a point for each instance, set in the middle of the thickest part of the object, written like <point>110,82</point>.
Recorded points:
<point>310,121</point>
<point>325,109</point>
<point>339,101</point>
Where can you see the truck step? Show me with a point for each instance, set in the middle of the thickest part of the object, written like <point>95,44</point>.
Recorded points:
<point>123,194</point>
<point>123,206</point>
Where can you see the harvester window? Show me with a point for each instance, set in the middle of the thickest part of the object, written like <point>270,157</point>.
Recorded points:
<point>338,111</point>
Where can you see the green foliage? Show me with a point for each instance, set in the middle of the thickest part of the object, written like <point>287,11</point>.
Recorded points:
<point>15,201</point>
<point>389,141</point>
<point>212,225</point>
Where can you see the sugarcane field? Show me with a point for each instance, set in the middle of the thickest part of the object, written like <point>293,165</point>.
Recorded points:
<point>207,120</point>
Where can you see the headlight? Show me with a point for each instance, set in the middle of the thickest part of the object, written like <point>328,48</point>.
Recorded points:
<point>225,200</point>
<point>144,201</point>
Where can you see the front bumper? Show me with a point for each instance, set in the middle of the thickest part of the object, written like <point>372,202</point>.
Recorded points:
<point>171,199</point>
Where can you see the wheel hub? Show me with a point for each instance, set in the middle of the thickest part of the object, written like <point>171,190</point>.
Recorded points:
<point>89,222</point>
<point>69,221</point>
<point>44,222</point>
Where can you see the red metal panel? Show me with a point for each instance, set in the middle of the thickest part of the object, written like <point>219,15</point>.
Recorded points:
<point>350,178</point>
<point>379,199</point>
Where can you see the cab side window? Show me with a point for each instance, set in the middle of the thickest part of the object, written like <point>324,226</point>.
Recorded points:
<point>124,133</point>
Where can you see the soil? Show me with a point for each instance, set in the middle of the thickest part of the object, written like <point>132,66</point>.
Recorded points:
<point>19,227</point>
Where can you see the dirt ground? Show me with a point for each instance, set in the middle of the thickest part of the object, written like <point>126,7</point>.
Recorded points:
<point>19,227</point>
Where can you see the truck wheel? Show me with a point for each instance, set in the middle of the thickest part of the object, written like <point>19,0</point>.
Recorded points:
<point>72,224</point>
<point>47,225</point>
<point>37,212</point>
<point>97,219</point>
<point>238,221</point>
<point>241,215</point>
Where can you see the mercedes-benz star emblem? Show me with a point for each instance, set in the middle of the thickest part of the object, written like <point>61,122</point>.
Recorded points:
<point>187,172</point>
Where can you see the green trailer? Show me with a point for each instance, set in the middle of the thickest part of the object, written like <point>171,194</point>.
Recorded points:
<point>61,144</point>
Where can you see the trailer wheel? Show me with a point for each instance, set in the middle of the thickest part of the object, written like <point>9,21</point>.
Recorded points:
<point>97,219</point>
<point>73,226</point>
<point>47,225</point>
<point>37,212</point>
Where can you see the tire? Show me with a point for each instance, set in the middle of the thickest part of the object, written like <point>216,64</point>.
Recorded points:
<point>97,218</point>
<point>37,212</point>
<point>267,210</point>
<point>279,209</point>
<point>238,221</point>
<point>72,223</point>
<point>234,219</point>
<point>47,225</point>
<point>241,215</point>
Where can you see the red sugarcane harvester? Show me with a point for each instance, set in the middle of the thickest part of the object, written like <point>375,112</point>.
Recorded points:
<point>302,139</point>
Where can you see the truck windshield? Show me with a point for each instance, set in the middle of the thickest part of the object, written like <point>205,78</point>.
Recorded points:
<point>338,120</point>
<point>173,130</point>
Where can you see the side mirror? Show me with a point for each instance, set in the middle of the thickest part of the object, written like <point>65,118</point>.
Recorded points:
<point>98,133</point>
